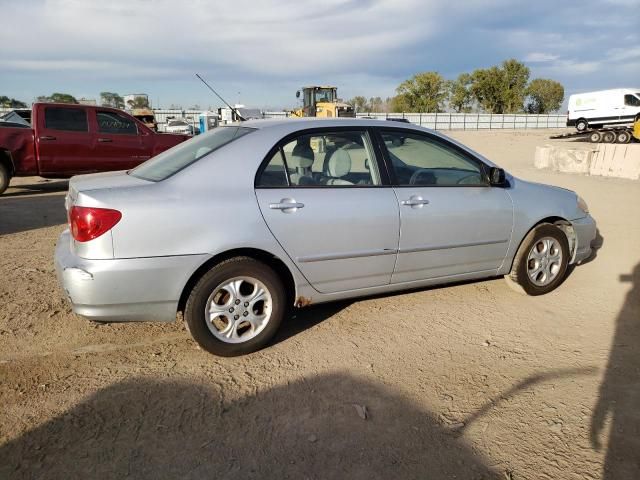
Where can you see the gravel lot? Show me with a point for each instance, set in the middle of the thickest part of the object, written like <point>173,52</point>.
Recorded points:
<point>467,381</point>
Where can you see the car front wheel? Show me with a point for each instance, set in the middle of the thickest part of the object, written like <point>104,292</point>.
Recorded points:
<point>540,264</point>
<point>236,307</point>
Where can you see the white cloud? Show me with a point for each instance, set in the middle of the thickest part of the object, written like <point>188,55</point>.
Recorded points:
<point>273,39</point>
<point>267,49</point>
<point>624,54</point>
<point>536,57</point>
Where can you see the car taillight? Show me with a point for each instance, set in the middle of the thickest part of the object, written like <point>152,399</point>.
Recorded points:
<point>87,223</point>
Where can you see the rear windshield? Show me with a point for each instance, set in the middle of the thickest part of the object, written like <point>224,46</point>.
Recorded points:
<point>184,154</point>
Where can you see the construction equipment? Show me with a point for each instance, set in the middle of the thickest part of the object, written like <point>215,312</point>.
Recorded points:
<point>146,116</point>
<point>322,102</point>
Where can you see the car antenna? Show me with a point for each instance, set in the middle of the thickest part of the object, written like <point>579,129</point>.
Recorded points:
<point>233,109</point>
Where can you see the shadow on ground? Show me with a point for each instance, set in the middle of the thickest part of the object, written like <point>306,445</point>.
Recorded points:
<point>150,428</point>
<point>20,214</point>
<point>619,396</point>
<point>41,187</point>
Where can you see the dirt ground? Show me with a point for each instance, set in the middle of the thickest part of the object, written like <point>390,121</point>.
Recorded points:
<point>472,381</point>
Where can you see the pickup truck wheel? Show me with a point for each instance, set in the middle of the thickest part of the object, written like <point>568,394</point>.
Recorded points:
<point>236,307</point>
<point>4,178</point>
<point>541,262</point>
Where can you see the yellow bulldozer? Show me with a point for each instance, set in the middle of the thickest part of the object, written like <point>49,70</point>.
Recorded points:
<point>322,102</point>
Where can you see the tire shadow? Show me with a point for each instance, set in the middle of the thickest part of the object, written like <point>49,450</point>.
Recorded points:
<point>154,428</point>
<point>42,187</point>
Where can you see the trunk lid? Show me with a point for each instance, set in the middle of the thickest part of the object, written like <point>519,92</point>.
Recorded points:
<point>100,181</point>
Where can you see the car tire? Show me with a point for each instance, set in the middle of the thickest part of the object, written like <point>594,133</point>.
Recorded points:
<point>540,271</point>
<point>227,315</point>
<point>582,125</point>
<point>5,178</point>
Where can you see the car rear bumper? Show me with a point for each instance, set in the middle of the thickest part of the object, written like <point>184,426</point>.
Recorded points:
<point>585,231</point>
<point>134,289</point>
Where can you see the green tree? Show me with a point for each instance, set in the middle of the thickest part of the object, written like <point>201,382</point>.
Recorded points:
<point>63,98</point>
<point>359,103</point>
<point>138,102</point>
<point>376,105</point>
<point>544,96</point>
<point>57,98</point>
<point>461,97</point>
<point>424,92</point>
<point>399,104</point>
<point>515,77</point>
<point>501,89</point>
<point>11,102</point>
<point>486,88</point>
<point>111,99</point>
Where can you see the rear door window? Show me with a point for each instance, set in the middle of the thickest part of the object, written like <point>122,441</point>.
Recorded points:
<point>64,118</point>
<point>323,159</point>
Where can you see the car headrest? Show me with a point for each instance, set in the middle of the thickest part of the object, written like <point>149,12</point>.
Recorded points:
<point>301,156</point>
<point>339,164</point>
<point>295,161</point>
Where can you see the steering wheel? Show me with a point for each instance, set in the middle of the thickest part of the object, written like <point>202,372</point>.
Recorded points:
<point>471,175</point>
<point>422,171</point>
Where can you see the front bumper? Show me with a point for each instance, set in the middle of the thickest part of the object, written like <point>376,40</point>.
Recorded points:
<point>131,289</point>
<point>585,232</point>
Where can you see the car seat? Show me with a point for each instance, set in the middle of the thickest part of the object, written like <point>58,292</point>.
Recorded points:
<point>337,165</point>
<point>301,159</point>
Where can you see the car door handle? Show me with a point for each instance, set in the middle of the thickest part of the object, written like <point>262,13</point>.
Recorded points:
<point>47,137</point>
<point>287,205</point>
<point>105,140</point>
<point>415,202</point>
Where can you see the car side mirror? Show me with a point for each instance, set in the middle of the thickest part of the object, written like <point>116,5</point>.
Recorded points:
<point>497,177</point>
<point>298,94</point>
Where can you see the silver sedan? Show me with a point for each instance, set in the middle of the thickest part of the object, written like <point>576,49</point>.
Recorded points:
<point>238,225</point>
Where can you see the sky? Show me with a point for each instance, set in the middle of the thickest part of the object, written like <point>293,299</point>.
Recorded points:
<point>260,52</point>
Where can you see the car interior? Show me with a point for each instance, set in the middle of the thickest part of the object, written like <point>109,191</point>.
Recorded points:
<point>418,161</point>
<point>342,159</point>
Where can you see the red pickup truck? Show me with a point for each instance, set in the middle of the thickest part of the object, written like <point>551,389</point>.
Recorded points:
<point>67,140</point>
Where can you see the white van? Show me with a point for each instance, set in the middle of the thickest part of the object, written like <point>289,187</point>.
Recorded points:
<point>603,108</point>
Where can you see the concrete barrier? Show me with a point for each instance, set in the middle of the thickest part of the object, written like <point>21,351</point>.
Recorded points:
<point>607,160</point>
<point>622,161</point>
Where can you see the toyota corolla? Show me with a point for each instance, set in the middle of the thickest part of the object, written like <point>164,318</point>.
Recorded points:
<point>236,226</point>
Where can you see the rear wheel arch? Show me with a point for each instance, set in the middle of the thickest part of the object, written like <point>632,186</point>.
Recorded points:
<point>263,256</point>
<point>6,160</point>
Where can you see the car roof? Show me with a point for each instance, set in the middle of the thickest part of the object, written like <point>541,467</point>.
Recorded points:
<point>295,124</point>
